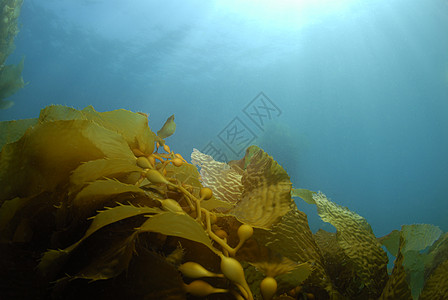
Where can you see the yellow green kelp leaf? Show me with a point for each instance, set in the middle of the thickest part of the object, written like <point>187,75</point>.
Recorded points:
<point>115,214</point>
<point>223,180</point>
<point>132,126</point>
<point>96,193</point>
<point>168,128</point>
<point>101,168</point>
<point>292,238</point>
<point>248,156</point>
<point>111,143</point>
<point>295,277</point>
<point>419,236</point>
<point>422,249</point>
<point>436,286</point>
<point>337,265</point>
<point>397,286</point>
<point>53,113</point>
<point>52,258</point>
<point>11,131</point>
<point>214,203</point>
<point>391,242</point>
<point>439,253</point>
<point>415,240</point>
<point>287,273</point>
<point>48,152</point>
<point>9,15</point>
<point>305,194</point>
<point>180,225</point>
<point>187,174</point>
<point>10,78</point>
<point>358,242</point>
<point>266,195</point>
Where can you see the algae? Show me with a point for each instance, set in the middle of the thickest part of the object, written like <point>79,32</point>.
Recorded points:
<point>10,75</point>
<point>98,211</point>
<point>168,128</point>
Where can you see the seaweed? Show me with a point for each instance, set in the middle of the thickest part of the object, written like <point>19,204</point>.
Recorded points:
<point>10,75</point>
<point>99,211</point>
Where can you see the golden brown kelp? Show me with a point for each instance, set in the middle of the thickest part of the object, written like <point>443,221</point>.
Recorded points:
<point>397,286</point>
<point>338,266</point>
<point>89,187</point>
<point>420,267</point>
<point>93,208</point>
<point>359,245</point>
<point>281,233</point>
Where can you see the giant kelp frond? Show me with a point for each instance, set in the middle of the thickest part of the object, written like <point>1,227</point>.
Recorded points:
<point>63,139</point>
<point>257,183</point>
<point>220,177</point>
<point>48,152</point>
<point>168,128</point>
<point>175,224</point>
<point>357,241</point>
<point>355,237</point>
<point>10,75</point>
<point>53,259</point>
<point>14,130</point>
<point>266,190</point>
<point>436,286</point>
<point>122,168</point>
<point>98,194</point>
<point>88,193</point>
<point>421,250</point>
<point>133,127</point>
<point>11,79</point>
<point>292,238</point>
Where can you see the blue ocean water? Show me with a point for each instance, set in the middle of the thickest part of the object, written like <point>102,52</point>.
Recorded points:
<point>350,97</point>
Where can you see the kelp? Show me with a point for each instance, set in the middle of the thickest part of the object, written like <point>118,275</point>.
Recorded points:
<point>167,129</point>
<point>10,82</point>
<point>10,75</point>
<point>175,224</point>
<point>263,200</point>
<point>266,194</point>
<point>436,286</point>
<point>57,148</point>
<point>356,239</point>
<point>293,239</point>
<point>53,259</point>
<point>337,265</point>
<point>102,210</point>
<point>103,168</point>
<point>224,181</point>
<point>132,127</point>
<point>262,192</point>
<point>14,130</point>
<point>421,250</point>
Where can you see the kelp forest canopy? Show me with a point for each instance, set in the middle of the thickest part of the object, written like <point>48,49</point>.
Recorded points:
<point>96,205</point>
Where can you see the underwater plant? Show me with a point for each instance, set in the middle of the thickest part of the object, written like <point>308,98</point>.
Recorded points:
<point>96,205</point>
<point>10,75</point>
